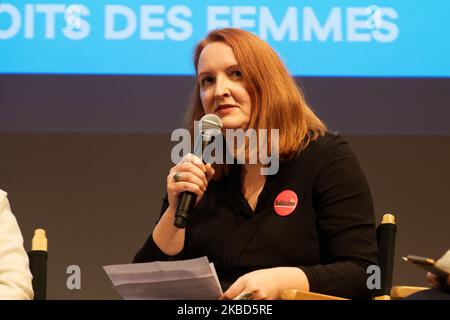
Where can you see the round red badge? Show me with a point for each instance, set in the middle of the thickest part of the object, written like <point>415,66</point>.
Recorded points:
<point>285,203</point>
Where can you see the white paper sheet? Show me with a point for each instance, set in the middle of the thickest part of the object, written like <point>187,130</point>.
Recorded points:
<point>194,279</point>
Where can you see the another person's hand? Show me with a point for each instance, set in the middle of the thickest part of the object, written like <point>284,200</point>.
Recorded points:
<point>193,176</point>
<point>267,284</point>
<point>434,280</point>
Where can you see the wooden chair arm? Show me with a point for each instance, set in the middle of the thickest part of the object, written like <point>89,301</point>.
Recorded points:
<point>399,292</point>
<point>303,295</point>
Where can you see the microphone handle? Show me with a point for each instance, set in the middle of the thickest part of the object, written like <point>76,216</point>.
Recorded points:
<point>185,206</point>
<point>187,198</point>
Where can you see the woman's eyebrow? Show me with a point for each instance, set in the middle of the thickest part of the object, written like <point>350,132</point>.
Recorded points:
<point>233,66</point>
<point>227,69</point>
<point>202,73</point>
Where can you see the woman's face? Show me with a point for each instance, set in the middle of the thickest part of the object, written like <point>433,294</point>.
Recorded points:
<point>222,88</point>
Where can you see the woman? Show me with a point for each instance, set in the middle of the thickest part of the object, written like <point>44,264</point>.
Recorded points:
<point>15,275</point>
<point>310,226</point>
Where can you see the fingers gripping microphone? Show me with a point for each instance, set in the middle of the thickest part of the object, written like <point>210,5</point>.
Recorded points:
<point>210,126</point>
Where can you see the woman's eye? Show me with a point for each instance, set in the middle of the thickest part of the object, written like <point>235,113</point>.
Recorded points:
<point>237,74</point>
<point>206,81</point>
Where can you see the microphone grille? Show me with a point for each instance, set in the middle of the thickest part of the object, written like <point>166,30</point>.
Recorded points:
<point>211,122</point>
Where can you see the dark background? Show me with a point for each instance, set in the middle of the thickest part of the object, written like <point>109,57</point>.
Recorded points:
<point>86,158</point>
<point>92,104</point>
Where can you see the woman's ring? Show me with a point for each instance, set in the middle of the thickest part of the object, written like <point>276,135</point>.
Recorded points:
<point>177,177</point>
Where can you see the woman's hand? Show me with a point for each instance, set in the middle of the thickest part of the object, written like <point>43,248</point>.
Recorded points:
<point>435,281</point>
<point>268,284</point>
<point>193,175</point>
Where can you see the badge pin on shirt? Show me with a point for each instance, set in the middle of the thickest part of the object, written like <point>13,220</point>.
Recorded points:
<point>285,203</point>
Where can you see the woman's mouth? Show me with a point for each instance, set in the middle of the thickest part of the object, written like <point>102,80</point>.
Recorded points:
<point>223,108</point>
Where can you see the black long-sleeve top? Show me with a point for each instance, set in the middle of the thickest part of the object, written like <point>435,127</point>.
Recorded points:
<point>330,235</point>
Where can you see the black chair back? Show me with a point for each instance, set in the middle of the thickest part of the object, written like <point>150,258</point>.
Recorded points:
<point>386,233</point>
<point>38,264</point>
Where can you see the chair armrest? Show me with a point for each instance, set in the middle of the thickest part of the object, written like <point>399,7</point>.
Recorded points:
<point>304,295</point>
<point>399,292</point>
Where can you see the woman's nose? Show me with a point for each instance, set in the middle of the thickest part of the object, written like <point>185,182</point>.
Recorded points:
<point>222,88</point>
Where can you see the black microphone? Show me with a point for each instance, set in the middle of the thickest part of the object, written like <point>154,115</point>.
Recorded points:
<point>210,126</point>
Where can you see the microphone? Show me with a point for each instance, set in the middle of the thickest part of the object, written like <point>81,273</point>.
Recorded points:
<point>210,126</point>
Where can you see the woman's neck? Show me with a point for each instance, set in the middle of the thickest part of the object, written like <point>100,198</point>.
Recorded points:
<point>252,183</point>
<point>252,172</point>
